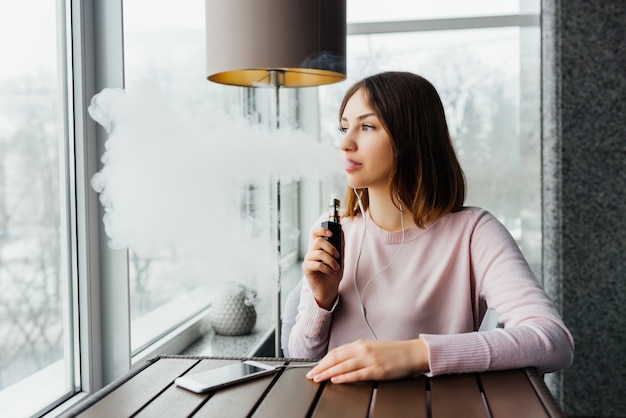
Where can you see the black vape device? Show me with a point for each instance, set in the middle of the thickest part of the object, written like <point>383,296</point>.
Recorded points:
<point>334,225</point>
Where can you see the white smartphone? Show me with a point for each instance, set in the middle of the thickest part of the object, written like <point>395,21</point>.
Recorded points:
<point>224,375</point>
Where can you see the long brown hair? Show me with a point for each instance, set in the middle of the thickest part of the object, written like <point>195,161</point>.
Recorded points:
<point>426,175</point>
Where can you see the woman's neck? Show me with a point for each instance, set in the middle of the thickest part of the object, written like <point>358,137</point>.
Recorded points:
<point>386,215</point>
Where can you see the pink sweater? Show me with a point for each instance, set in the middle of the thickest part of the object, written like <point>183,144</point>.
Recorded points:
<point>439,287</point>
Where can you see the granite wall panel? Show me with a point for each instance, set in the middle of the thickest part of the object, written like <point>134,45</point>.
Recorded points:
<point>584,79</point>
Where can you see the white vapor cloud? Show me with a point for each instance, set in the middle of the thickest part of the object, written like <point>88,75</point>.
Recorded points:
<point>170,180</point>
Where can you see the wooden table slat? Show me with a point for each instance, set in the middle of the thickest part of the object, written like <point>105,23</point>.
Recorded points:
<point>176,401</point>
<point>140,389</point>
<point>344,400</point>
<point>456,396</point>
<point>525,402</point>
<point>237,400</point>
<point>543,393</point>
<point>401,398</point>
<point>283,398</point>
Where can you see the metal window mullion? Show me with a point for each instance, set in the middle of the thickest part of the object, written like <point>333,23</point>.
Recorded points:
<point>86,206</point>
<point>67,192</point>
<point>114,284</point>
<point>104,306</point>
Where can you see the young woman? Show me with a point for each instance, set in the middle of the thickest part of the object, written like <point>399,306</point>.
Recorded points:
<point>419,269</point>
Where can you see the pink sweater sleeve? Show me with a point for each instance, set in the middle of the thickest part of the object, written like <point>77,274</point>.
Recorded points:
<point>310,333</point>
<point>533,332</point>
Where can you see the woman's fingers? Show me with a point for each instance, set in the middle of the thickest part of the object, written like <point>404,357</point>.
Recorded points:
<point>338,363</point>
<point>317,266</point>
<point>325,245</point>
<point>344,372</point>
<point>320,260</point>
<point>321,268</point>
<point>372,360</point>
<point>321,251</point>
<point>320,237</point>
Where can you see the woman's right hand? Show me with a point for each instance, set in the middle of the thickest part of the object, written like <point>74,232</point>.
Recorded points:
<point>321,268</point>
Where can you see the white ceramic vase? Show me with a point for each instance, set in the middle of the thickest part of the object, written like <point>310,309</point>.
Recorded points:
<point>232,311</point>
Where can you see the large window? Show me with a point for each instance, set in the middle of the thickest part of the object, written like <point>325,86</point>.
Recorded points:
<point>37,352</point>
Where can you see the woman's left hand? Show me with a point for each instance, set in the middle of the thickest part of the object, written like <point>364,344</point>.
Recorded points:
<point>372,360</point>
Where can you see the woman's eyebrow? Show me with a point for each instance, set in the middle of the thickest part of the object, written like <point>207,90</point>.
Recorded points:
<point>365,116</point>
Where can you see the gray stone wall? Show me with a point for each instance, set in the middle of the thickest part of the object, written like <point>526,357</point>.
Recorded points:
<point>584,183</point>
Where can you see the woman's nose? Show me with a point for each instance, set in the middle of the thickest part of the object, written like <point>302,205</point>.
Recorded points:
<point>347,142</point>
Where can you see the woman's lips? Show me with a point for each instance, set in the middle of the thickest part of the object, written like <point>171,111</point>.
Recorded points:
<point>352,165</point>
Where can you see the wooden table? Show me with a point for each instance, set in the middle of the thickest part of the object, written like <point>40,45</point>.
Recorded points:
<point>149,391</point>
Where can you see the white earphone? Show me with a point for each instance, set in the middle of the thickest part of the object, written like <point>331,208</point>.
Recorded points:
<point>361,295</point>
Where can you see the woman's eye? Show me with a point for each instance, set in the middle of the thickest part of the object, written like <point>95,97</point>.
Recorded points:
<point>364,127</point>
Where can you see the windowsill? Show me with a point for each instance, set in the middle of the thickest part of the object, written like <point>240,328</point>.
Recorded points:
<point>212,344</point>
<point>18,400</point>
<point>260,341</point>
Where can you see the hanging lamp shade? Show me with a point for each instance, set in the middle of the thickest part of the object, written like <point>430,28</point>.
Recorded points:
<point>291,43</point>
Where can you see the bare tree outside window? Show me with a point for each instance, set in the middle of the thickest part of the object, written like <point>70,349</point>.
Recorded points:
<point>30,296</point>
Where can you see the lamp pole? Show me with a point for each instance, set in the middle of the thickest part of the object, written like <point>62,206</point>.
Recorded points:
<point>277,79</point>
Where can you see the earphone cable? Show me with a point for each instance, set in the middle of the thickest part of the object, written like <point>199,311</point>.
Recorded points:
<point>361,295</point>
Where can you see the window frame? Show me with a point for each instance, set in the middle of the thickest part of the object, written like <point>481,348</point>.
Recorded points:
<point>103,328</point>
